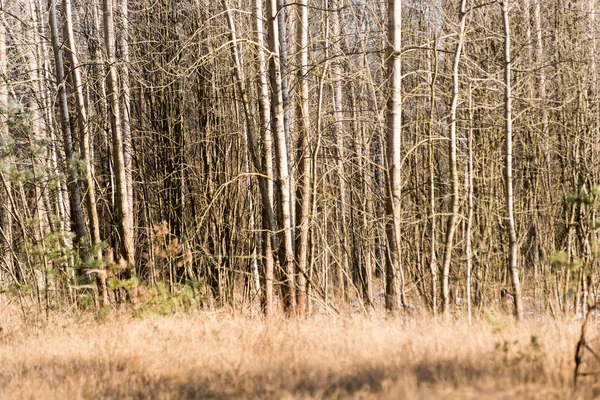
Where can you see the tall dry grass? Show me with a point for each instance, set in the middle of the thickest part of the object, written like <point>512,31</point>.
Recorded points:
<point>212,355</point>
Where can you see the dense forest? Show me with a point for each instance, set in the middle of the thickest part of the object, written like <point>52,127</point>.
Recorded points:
<point>310,156</point>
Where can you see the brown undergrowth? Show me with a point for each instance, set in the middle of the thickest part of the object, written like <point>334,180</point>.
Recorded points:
<point>214,355</point>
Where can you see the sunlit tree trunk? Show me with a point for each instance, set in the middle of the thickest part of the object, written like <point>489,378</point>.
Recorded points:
<point>53,199</point>
<point>251,140</point>
<point>304,172</point>
<point>267,159</point>
<point>282,12</point>
<point>127,249</point>
<point>433,263</point>
<point>77,219</point>
<point>84,140</point>
<point>125,104</point>
<point>453,217</point>
<point>336,70</point>
<point>510,218</point>
<point>539,37</point>
<point>470,206</point>
<point>281,161</point>
<point>83,127</point>
<point>394,282</point>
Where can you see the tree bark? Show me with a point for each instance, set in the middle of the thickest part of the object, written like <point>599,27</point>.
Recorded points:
<point>285,94</point>
<point>266,199</point>
<point>267,160</point>
<point>77,219</point>
<point>453,217</point>
<point>304,171</point>
<point>338,133</point>
<point>394,282</point>
<point>470,206</point>
<point>510,218</point>
<point>126,106</point>
<point>127,249</point>
<point>83,127</point>
<point>281,162</point>
<point>433,263</point>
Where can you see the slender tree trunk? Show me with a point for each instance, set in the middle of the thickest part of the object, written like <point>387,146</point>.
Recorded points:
<point>315,154</point>
<point>533,200</point>
<point>468,249</point>
<point>336,70</point>
<point>510,218</point>
<point>126,106</point>
<point>394,282</point>
<point>266,199</point>
<point>39,211</point>
<point>285,95</point>
<point>42,125</point>
<point>77,219</point>
<point>56,205</point>
<point>281,162</point>
<point>127,249</point>
<point>433,266</point>
<point>83,127</point>
<point>453,217</point>
<point>267,157</point>
<point>543,94</point>
<point>304,172</point>
<point>366,231</point>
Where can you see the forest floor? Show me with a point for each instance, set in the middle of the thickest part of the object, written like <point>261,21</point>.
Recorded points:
<point>219,355</point>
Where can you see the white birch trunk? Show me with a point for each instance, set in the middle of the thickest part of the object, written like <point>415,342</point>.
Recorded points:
<point>267,159</point>
<point>394,282</point>
<point>281,161</point>
<point>304,172</point>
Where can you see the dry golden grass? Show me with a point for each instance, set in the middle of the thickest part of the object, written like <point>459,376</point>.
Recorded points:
<point>211,355</point>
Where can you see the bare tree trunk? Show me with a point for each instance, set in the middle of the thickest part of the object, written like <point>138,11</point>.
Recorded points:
<point>283,65</point>
<point>510,218</point>
<point>362,154</point>
<point>37,156</point>
<point>77,219</point>
<point>542,89</point>
<point>285,95</point>
<point>315,153</point>
<point>84,137</point>
<point>126,106</point>
<point>394,282</point>
<point>57,203</point>
<point>266,199</point>
<point>304,172</point>
<point>453,217</point>
<point>267,141</point>
<point>336,69</point>
<point>281,162</point>
<point>42,122</point>
<point>433,266</point>
<point>83,126</point>
<point>469,181</point>
<point>127,249</point>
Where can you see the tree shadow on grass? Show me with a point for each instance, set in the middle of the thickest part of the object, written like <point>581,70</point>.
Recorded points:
<point>129,378</point>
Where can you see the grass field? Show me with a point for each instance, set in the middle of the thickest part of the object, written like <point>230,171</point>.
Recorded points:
<point>212,355</point>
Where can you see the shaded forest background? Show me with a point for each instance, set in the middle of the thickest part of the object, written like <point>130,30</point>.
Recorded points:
<point>233,152</point>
